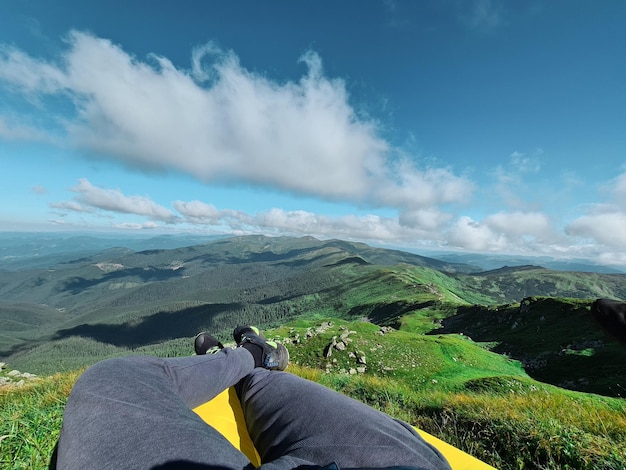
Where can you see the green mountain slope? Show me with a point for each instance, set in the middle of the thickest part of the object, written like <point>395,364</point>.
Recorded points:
<point>513,284</point>
<point>151,301</point>
<point>556,340</point>
<point>446,349</point>
<point>129,299</point>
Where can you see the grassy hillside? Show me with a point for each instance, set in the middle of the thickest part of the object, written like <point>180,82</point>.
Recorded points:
<point>454,388</point>
<point>554,338</point>
<point>429,342</point>
<point>126,301</point>
<point>450,386</point>
<point>507,284</point>
<point>119,301</point>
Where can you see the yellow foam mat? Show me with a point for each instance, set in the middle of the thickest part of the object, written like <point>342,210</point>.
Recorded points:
<point>224,413</point>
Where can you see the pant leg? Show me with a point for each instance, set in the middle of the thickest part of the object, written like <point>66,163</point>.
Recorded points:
<point>293,417</point>
<point>136,413</point>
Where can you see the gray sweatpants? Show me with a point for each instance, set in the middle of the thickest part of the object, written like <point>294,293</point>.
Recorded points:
<point>136,413</point>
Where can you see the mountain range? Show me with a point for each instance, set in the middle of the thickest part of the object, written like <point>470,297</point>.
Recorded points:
<point>86,298</point>
<point>501,361</point>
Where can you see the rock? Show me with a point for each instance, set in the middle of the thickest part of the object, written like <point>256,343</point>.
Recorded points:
<point>340,346</point>
<point>345,334</point>
<point>352,371</point>
<point>14,373</point>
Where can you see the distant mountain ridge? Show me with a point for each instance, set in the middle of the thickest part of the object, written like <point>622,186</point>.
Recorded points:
<point>88,305</point>
<point>486,262</point>
<point>497,359</point>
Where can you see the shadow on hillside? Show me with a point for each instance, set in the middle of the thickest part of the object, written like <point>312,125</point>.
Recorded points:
<point>76,285</point>
<point>156,328</point>
<point>557,343</point>
<point>387,314</point>
<point>264,257</point>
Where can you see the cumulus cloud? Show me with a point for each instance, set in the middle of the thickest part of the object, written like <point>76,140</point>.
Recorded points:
<point>505,231</point>
<point>521,224</point>
<point>425,225</point>
<point>91,198</point>
<point>530,233</point>
<point>413,189</point>
<point>606,228</point>
<point>198,212</point>
<point>605,223</point>
<point>136,226</point>
<point>472,235</point>
<point>221,122</point>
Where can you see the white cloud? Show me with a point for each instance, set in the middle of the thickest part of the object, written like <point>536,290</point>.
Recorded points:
<point>605,223</point>
<point>38,189</point>
<point>72,206</point>
<point>9,131</point>
<point>198,212</point>
<point>415,189</point>
<point>521,224</point>
<point>608,228</point>
<point>136,226</point>
<point>524,164</point>
<point>530,232</point>
<point>429,220</point>
<point>219,121</point>
<point>474,236</point>
<point>29,75</point>
<point>91,198</point>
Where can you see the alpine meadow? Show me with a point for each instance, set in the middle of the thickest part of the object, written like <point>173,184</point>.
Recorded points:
<point>505,364</point>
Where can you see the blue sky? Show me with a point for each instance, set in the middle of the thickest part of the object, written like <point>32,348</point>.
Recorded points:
<point>473,125</point>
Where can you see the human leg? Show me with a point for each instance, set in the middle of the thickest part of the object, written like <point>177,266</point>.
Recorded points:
<point>136,412</point>
<point>290,416</point>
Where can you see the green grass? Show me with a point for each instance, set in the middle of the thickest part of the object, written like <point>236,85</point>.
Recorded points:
<point>30,421</point>
<point>478,401</point>
<point>556,338</point>
<point>507,284</point>
<point>448,385</point>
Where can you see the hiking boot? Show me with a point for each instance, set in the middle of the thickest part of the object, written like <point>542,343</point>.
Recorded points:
<point>270,355</point>
<point>240,330</point>
<point>204,343</point>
